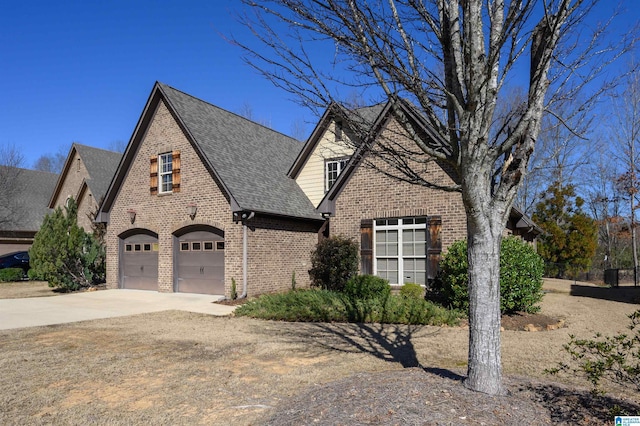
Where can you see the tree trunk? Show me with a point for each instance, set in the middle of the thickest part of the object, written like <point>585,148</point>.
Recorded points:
<point>484,234</point>
<point>634,242</point>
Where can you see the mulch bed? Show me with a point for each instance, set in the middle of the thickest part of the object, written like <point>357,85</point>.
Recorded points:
<point>522,321</point>
<point>418,396</point>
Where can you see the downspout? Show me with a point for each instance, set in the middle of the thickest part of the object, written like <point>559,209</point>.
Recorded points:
<point>245,256</point>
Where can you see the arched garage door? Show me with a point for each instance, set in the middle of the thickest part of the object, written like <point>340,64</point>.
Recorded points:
<point>139,267</point>
<point>199,255</point>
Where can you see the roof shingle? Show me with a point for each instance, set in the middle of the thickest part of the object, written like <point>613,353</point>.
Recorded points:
<point>251,160</point>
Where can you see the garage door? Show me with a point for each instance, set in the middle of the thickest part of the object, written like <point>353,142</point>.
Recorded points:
<point>140,262</point>
<point>200,263</point>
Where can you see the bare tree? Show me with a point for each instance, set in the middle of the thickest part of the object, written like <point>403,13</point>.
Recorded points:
<point>561,152</point>
<point>626,134</point>
<point>246,111</point>
<point>52,163</point>
<point>11,160</point>
<point>117,145</point>
<point>449,61</point>
<point>299,130</point>
<point>604,201</point>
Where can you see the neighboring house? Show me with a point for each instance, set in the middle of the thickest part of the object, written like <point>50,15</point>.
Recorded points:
<point>204,198</point>
<point>86,176</point>
<point>23,206</point>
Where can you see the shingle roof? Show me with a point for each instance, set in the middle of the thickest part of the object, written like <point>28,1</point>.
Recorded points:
<point>101,166</point>
<point>251,160</point>
<point>31,199</point>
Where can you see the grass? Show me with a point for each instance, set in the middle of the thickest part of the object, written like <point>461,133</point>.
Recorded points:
<point>329,306</point>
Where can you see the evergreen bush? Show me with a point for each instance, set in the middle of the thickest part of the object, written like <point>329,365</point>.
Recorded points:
<point>412,291</point>
<point>367,287</point>
<point>64,254</point>
<point>333,263</point>
<point>521,270</point>
<point>11,274</point>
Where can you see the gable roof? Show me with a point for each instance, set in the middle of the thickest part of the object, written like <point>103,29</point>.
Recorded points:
<point>376,117</point>
<point>100,164</point>
<point>249,160</point>
<point>33,189</point>
<point>365,116</point>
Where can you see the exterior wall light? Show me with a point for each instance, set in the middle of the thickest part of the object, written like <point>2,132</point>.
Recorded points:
<point>132,215</point>
<point>192,208</point>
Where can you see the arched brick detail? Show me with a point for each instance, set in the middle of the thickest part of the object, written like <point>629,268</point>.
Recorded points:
<point>203,223</point>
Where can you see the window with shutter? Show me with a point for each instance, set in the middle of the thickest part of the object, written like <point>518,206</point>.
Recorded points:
<point>165,172</point>
<point>434,246</point>
<point>407,250</point>
<point>176,171</point>
<point>153,185</point>
<point>366,247</point>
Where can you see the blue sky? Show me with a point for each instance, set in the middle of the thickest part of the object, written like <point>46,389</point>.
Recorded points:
<point>82,70</point>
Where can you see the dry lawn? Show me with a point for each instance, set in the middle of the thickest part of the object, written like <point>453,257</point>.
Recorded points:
<point>183,368</point>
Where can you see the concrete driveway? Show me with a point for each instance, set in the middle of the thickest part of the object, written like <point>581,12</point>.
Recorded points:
<point>36,311</point>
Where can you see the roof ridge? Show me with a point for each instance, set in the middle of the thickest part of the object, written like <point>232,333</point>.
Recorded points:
<point>95,147</point>
<point>30,170</point>
<point>229,112</point>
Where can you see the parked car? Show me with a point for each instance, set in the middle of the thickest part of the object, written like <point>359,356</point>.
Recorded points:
<point>18,259</point>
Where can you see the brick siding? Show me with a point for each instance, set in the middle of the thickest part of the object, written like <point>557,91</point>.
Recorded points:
<point>73,179</point>
<point>369,194</point>
<point>276,247</point>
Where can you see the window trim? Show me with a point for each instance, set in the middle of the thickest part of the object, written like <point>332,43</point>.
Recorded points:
<point>165,158</point>
<point>341,163</point>
<point>399,225</point>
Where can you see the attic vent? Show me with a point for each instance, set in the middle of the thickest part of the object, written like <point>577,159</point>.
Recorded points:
<point>339,130</point>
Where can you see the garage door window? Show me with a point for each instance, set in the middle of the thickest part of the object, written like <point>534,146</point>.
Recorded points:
<point>195,246</point>
<point>208,245</point>
<point>220,245</point>
<point>184,246</point>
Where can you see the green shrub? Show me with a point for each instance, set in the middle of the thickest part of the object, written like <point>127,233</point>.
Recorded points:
<point>333,263</point>
<point>407,310</point>
<point>300,305</point>
<point>64,254</point>
<point>11,274</point>
<point>614,357</point>
<point>367,287</point>
<point>521,270</point>
<point>412,291</point>
<point>234,289</point>
<point>329,306</point>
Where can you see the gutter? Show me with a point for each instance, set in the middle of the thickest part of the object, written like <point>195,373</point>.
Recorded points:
<point>245,216</point>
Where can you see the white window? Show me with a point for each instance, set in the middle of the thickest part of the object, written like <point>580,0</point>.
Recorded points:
<point>400,246</point>
<point>165,167</point>
<point>332,170</point>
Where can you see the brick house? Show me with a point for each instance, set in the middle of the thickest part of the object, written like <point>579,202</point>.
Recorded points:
<point>23,206</point>
<point>402,227</point>
<point>85,176</point>
<point>203,198</point>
